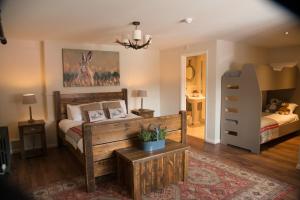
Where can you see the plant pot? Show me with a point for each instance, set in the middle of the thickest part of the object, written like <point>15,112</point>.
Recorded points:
<point>153,145</point>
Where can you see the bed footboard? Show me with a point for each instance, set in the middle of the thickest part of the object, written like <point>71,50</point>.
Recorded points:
<point>101,140</point>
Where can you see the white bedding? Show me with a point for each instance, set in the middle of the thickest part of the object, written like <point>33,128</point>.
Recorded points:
<point>283,119</point>
<point>66,124</point>
<point>269,126</point>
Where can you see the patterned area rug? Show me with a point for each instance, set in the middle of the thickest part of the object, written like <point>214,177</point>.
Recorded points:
<point>209,179</point>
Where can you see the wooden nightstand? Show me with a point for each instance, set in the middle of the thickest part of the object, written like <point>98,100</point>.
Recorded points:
<point>35,128</point>
<point>146,113</point>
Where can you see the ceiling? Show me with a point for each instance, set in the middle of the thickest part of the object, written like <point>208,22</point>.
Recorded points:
<point>258,22</point>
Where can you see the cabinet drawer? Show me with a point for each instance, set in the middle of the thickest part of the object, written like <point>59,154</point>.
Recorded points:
<point>33,129</point>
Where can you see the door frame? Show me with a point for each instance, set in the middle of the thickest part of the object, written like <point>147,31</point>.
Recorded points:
<point>183,83</point>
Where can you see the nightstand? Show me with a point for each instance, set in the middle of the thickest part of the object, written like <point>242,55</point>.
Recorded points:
<point>29,129</point>
<point>145,113</point>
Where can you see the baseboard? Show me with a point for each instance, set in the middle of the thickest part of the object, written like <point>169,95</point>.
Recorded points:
<point>15,146</point>
<point>208,140</point>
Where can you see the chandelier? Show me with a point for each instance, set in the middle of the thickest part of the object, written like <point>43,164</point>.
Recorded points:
<point>137,38</point>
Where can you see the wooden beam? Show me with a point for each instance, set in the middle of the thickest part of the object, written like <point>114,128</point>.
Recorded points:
<point>183,126</point>
<point>89,161</point>
<point>125,97</point>
<point>57,110</point>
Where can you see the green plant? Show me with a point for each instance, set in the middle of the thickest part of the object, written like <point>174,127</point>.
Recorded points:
<point>152,135</point>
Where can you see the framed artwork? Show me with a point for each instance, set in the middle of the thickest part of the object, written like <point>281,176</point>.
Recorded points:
<point>85,68</point>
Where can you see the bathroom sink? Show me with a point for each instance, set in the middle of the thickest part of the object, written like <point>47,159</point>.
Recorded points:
<point>194,100</point>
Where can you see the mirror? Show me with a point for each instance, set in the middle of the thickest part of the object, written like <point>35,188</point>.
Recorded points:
<point>190,72</point>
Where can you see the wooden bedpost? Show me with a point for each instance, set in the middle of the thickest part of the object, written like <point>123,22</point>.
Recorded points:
<point>183,126</point>
<point>57,110</point>
<point>125,97</point>
<point>88,161</point>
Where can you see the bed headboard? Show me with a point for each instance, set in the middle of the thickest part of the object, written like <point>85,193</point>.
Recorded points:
<point>61,100</point>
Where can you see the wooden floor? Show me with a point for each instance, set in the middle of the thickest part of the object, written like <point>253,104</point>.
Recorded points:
<point>277,160</point>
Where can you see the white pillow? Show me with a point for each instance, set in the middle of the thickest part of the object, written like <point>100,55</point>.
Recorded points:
<point>74,112</point>
<point>96,115</point>
<point>115,113</point>
<point>122,103</point>
<point>292,107</point>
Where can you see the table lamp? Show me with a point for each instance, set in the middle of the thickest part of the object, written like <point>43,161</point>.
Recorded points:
<point>141,93</point>
<point>29,99</point>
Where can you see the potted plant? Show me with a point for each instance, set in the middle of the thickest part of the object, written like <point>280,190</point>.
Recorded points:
<point>152,139</point>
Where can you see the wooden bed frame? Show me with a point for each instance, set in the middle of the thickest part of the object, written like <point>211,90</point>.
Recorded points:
<point>100,140</point>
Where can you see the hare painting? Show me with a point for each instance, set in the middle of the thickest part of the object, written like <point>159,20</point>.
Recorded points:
<point>84,68</point>
<point>85,74</point>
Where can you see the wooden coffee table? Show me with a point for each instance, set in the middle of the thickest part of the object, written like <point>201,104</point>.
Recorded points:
<point>143,172</point>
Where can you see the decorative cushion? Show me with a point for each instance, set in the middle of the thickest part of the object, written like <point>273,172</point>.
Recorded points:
<point>283,110</point>
<point>113,109</point>
<point>89,107</point>
<point>115,113</point>
<point>292,107</point>
<point>96,115</point>
<point>122,103</point>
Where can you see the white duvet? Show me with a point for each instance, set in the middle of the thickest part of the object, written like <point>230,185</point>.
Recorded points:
<point>283,119</point>
<point>66,124</point>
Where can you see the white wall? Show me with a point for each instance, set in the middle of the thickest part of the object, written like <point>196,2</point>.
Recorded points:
<point>35,67</point>
<point>171,73</point>
<point>221,56</point>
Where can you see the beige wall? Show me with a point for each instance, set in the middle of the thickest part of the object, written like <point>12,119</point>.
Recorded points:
<point>284,54</point>
<point>20,72</point>
<point>35,67</point>
<point>138,70</point>
<point>233,55</point>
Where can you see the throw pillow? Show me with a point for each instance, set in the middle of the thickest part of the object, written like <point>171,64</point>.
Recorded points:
<point>96,115</point>
<point>112,108</point>
<point>88,107</point>
<point>115,113</point>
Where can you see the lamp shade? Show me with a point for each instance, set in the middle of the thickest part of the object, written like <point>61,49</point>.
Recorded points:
<point>29,99</point>
<point>141,93</point>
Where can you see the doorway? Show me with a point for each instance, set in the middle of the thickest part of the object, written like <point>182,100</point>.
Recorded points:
<point>195,94</point>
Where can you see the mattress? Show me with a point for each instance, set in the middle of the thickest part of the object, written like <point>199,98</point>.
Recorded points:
<point>73,130</point>
<point>270,125</point>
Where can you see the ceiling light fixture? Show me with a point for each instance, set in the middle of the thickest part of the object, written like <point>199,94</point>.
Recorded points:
<point>188,20</point>
<point>137,37</point>
<point>2,37</point>
<point>286,33</point>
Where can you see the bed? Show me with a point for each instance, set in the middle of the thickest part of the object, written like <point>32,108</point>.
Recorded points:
<point>93,144</point>
<point>243,124</point>
<point>271,124</point>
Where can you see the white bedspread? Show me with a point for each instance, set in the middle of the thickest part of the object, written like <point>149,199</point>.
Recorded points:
<point>283,119</point>
<point>66,124</point>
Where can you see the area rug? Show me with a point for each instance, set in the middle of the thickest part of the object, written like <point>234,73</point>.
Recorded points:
<point>209,179</point>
